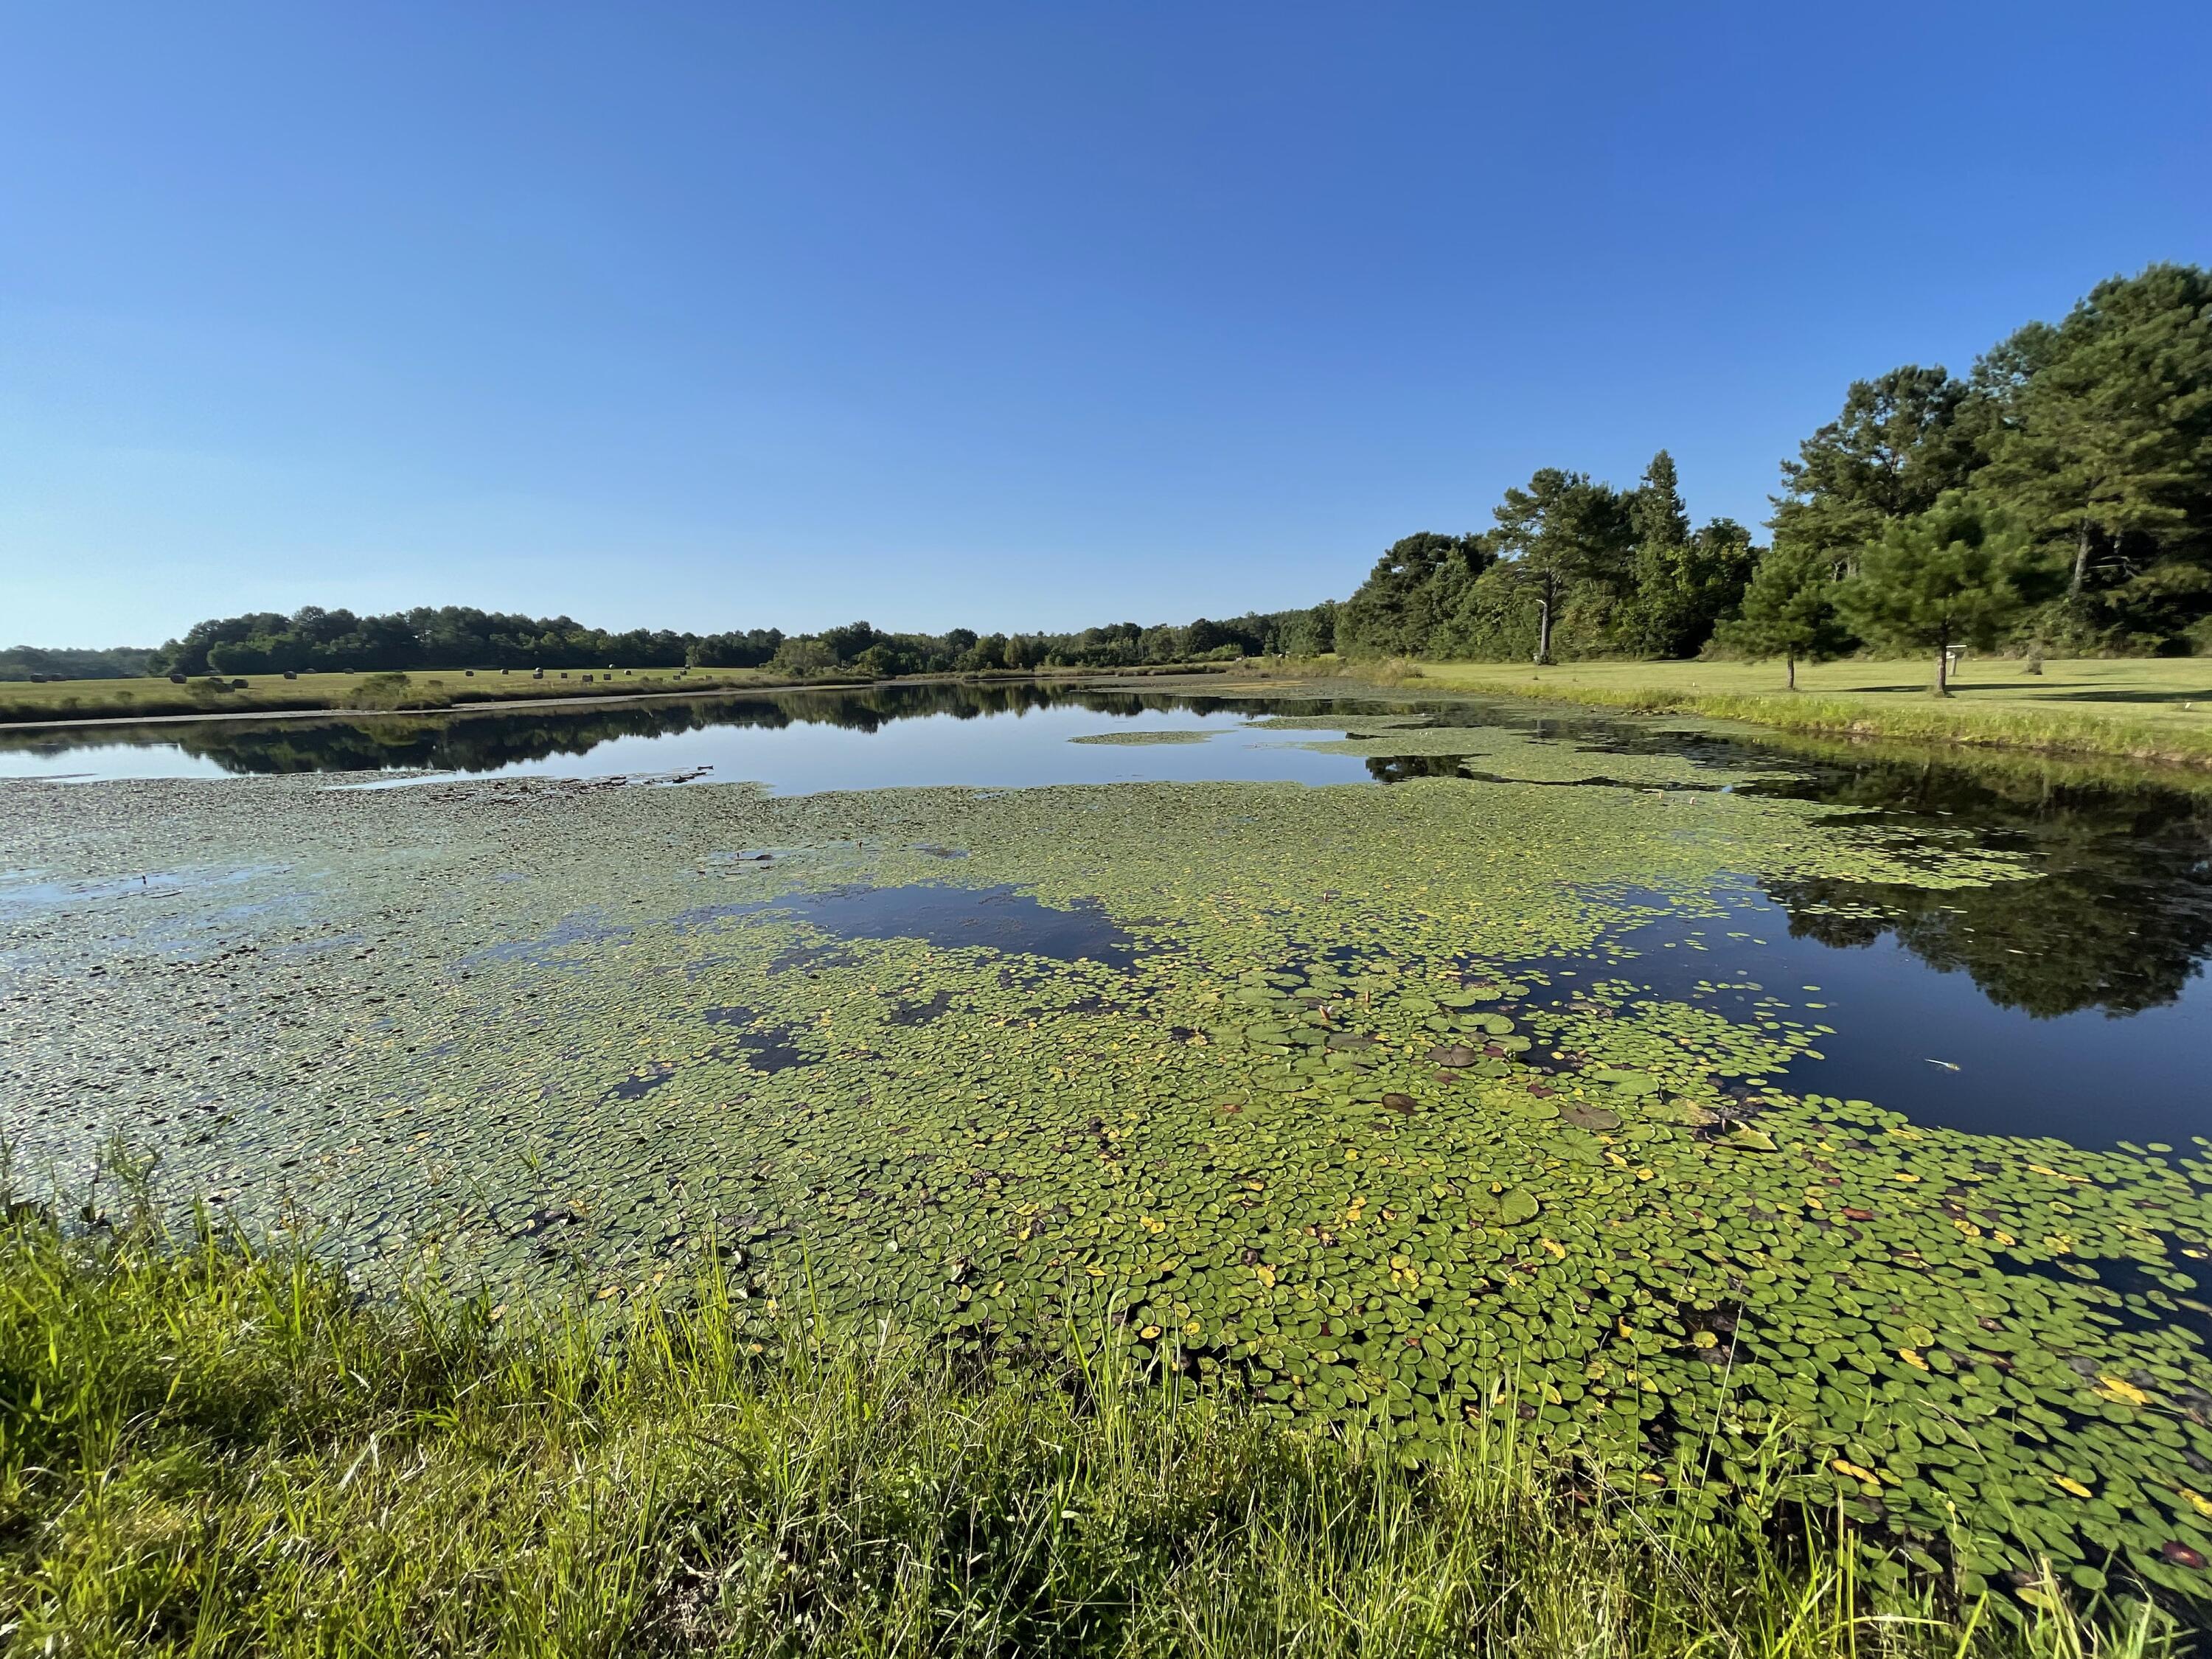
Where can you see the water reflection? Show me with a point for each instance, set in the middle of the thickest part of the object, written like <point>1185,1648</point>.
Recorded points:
<point>2120,921</point>
<point>463,741</point>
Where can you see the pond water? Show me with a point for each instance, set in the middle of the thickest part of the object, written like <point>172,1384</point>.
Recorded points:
<point>886,737</point>
<point>1396,1060</point>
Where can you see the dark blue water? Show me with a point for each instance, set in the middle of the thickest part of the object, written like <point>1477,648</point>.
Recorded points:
<point>1922,1036</point>
<point>988,918</point>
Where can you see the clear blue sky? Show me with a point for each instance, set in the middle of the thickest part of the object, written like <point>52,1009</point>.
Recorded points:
<point>1022,315</point>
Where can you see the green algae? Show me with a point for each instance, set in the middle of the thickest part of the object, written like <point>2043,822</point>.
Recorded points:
<point>1140,740</point>
<point>1500,755</point>
<point>1320,1141</point>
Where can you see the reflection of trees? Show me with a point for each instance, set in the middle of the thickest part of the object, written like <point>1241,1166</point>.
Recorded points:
<point>2120,915</point>
<point>463,741</point>
<point>1397,768</point>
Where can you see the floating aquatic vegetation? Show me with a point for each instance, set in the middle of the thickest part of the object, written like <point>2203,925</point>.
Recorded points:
<point>1494,753</point>
<point>1142,737</point>
<point>1307,1112</point>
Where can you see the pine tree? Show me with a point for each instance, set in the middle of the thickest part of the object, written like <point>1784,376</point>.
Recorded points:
<point>1564,532</point>
<point>1655,513</point>
<point>1789,611</point>
<point>1896,446</point>
<point>2099,436</point>
<point>1957,575</point>
<point>1681,585</point>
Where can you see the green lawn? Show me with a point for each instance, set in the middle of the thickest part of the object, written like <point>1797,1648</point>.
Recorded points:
<point>2141,708</point>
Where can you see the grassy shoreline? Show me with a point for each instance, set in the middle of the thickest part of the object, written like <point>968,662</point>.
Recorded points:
<point>2151,711</point>
<point>213,1451</point>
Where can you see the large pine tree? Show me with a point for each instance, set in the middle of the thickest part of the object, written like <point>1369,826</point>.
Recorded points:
<point>2098,434</point>
<point>1564,538</point>
<point>1680,584</point>
<point>1896,445</point>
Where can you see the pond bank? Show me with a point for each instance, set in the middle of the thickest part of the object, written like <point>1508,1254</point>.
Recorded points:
<point>2155,711</point>
<point>212,1451</point>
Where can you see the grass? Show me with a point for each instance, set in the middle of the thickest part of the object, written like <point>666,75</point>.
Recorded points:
<point>70,700</point>
<point>2134,709</point>
<point>208,1450</point>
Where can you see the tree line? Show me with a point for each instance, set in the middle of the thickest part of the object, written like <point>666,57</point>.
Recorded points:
<point>316,640</point>
<point>2059,498</point>
<point>31,662</point>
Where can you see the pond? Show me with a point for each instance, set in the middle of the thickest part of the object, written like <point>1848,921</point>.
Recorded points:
<point>796,742</point>
<point>1770,1123</point>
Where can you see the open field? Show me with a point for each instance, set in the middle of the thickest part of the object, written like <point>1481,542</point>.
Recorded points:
<point>26,702</point>
<point>2137,708</point>
<point>210,1452</point>
<point>272,692</point>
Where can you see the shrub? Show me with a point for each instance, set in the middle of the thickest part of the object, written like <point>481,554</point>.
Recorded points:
<point>389,691</point>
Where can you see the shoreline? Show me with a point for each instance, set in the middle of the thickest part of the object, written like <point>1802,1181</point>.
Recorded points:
<point>1843,713</point>
<point>579,700</point>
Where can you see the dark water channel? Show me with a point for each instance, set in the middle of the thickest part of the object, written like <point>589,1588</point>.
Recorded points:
<point>2074,1005</point>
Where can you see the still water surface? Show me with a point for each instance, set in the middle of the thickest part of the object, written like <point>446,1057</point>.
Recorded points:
<point>797,743</point>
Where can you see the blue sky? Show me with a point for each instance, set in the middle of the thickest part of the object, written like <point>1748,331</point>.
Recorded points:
<point>1015,316</point>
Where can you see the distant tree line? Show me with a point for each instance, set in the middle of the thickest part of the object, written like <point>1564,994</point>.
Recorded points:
<point>2057,498</point>
<point>316,640</point>
<point>31,662</point>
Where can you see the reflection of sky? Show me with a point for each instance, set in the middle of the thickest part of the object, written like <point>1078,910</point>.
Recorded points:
<point>998,750</point>
<point>1902,1027</point>
<point>102,761</point>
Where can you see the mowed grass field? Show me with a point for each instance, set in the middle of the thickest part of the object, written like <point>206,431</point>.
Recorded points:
<point>2141,708</point>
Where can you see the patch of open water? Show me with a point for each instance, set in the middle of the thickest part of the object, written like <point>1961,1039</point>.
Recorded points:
<point>990,918</point>
<point>1922,1032</point>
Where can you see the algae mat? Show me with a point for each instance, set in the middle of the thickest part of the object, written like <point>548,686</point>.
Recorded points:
<point>1267,1083</point>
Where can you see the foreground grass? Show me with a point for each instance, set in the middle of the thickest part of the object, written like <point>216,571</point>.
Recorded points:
<point>204,1451</point>
<point>2134,709</point>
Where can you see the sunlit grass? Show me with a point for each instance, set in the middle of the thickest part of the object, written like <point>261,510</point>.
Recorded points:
<point>2136,708</point>
<point>269,693</point>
